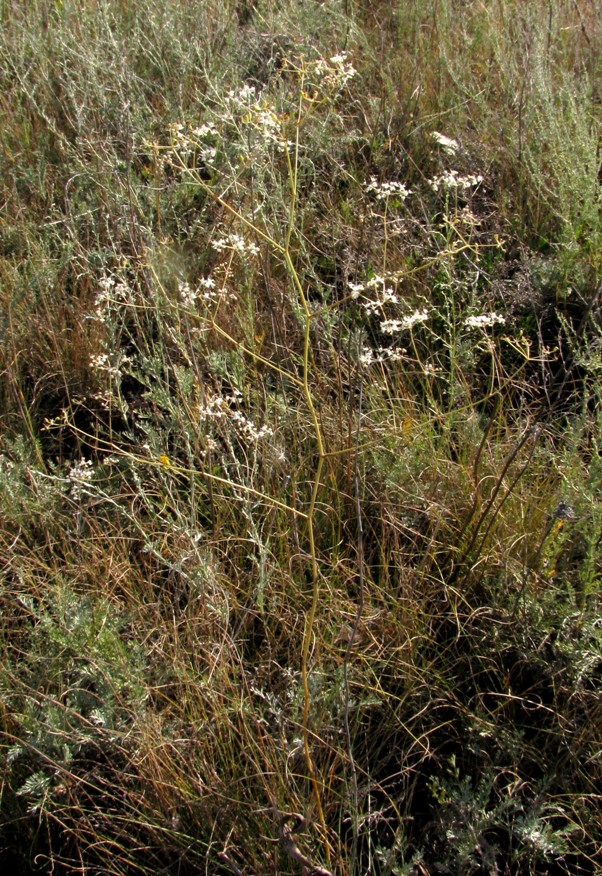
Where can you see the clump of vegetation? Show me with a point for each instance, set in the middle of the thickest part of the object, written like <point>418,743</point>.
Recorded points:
<point>300,462</point>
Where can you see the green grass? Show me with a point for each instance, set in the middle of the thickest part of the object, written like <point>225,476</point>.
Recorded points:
<point>300,511</point>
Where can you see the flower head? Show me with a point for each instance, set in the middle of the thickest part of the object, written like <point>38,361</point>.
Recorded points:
<point>236,243</point>
<point>384,190</point>
<point>483,320</point>
<point>392,326</point>
<point>451,179</point>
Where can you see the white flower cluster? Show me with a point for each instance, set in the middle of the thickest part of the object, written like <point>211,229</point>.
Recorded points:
<point>451,179</point>
<point>268,125</point>
<point>111,295</point>
<point>448,145</point>
<point>385,190</point>
<point>484,320</point>
<point>178,132</point>
<point>245,107</point>
<point>220,406</point>
<point>248,429</point>
<point>188,295</point>
<point>200,141</point>
<point>236,243</point>
<point>80,475</point>
<point>394,326</point>
<point>207,154</point>
<point>369,356</point>
<point>383,297</point>
<point>207,130</point>
<point>384,293</point>
<point>378,297</point>
<point>243,98</point>
<point>102,363</point>
<point>205,291</point>
<point>224,408</point>
<point>333,73</point>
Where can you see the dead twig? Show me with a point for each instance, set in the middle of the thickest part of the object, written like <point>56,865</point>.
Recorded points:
<point>290,847</point>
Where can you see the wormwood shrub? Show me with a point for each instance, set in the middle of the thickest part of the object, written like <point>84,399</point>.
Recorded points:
<point>300,567</point>
<point>71,685</point>
<point>80,667</point>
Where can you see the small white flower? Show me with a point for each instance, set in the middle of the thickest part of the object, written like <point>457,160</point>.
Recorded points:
<point>80,475</point>
<point>243,98</point>
<point>395,355</point>
<point>385,190</point>
<point>451,179</point>
<point>388,296</point>
<point>237,243</point>
<point>415,318</point>
<point>247,92</point>
<point>110,296</point>
<point>344,70</point>
<point>205,130</point>
<point>376,281</point>
<point>391,326</point>
<point>267,119</point>
<point>335,72</point>
<point>483,320</point>
<point>102,363</point>
<point>370,307</point>
<point>188,296</point>
<point>208,155</point>
<point>366,357</point>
